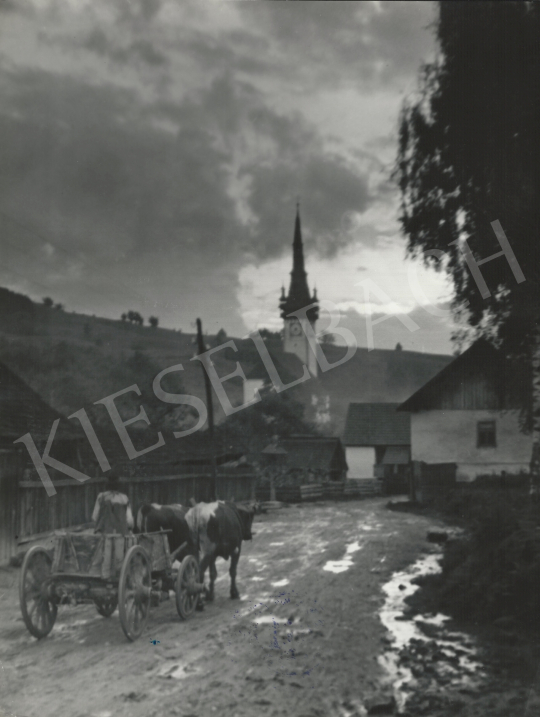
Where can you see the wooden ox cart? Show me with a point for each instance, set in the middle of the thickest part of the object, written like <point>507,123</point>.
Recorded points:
<point>130,572</point>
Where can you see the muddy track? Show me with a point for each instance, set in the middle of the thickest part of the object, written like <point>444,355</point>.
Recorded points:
<point>304,640</point>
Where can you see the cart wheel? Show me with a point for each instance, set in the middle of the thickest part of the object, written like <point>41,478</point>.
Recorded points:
<point>187,594</point>
<point>38,610</point>
<point>134,590</point>
<point>107,605</point>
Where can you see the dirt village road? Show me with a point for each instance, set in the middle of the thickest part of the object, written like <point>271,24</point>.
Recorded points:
<point>304,640</point>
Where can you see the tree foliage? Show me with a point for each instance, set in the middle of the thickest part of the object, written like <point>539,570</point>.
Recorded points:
<point>135,318</point>
<point>469,155</point>
<point>276,415</point>
<point>328,339</point>
<point>221,337</point>
<point>140,369</point>
<point>153,321</point>
<point>272,335</point>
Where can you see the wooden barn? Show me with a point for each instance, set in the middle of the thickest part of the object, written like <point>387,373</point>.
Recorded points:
<point>23,411</point>
<point>314,459</point>
<point>302,467</point>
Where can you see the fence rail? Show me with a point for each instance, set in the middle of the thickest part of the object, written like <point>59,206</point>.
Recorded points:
<point>331,490</point>
<point>74,502</point>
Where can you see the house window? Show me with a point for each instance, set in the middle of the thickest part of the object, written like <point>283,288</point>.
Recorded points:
<point>486,434</point>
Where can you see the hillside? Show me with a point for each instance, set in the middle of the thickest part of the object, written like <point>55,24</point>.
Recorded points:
<point>376,376</point>
<point>73,360</point>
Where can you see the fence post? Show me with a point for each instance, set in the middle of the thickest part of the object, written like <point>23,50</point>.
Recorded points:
<point>416,481</point>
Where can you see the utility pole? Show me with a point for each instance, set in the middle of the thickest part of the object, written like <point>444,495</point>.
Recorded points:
<point>201,348</point>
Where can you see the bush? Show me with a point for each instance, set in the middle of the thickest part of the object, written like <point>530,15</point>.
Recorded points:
<point>495,570</point>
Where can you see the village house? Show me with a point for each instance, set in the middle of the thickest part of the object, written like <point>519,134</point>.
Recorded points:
<point>377,440</point>
<point>467,418</point>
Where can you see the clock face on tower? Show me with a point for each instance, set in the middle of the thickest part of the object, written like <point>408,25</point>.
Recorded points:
<point>295,329</point>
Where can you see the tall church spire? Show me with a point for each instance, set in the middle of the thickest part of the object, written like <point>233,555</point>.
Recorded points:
<point>298,248</point>
<point>296,329</point>
<point>299,296</point>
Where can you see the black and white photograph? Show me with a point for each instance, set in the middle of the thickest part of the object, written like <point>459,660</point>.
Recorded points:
<point>269,358</point>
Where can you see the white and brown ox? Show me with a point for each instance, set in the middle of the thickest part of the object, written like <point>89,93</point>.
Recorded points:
<point>217,530</point>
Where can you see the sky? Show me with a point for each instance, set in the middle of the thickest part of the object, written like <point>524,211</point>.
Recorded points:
<point>153,152</point>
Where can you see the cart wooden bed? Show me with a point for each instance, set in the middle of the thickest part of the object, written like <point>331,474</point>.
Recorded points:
<point>131,572</point>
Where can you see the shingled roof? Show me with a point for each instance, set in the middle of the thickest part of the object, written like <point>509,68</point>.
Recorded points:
<point>481,377</point>
<point>314,453</point>
<point>22,411</point>
<point>376,424</point>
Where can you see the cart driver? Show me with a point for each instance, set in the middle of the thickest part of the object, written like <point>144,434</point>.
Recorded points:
<point>112,512</point>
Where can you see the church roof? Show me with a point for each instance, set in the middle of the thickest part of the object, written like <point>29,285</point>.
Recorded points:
<point>298,296</point>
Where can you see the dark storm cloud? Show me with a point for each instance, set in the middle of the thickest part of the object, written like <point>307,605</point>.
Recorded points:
<point>136,11</point>
<point>311,45</point>
<point>139,50</point>
<point>23,7</point>
<point>93,170</point>
<point>144,146</point>
<point>289,160</point>
<point>328,190</point>
<point>87,167</point>
<point>340,42</point>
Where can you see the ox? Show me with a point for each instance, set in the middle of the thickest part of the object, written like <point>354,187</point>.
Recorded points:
<point>217,530</point>
<point>152,517</point>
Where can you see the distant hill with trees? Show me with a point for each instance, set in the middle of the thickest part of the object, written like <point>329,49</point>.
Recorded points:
<point>73,360</point>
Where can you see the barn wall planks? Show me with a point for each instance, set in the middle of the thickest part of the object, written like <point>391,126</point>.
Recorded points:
<point>25,508</point>
<point>11,467</point>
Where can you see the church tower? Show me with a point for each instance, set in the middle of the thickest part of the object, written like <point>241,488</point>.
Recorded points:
<point>295,340</point>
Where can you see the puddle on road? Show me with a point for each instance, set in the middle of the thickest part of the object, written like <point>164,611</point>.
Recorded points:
<point>424,655</point>
<point>176,671</point>
<point>270,620</point>
<point>339,566</point>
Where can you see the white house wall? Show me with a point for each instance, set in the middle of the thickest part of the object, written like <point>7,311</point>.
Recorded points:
<point>360,461</point>
<point>450,437</point>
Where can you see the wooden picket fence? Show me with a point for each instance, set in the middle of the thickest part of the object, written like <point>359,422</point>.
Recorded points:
<point>35,514</point>
<point>299,493</point>
<point>331,490</point>
<point>362,488</point>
